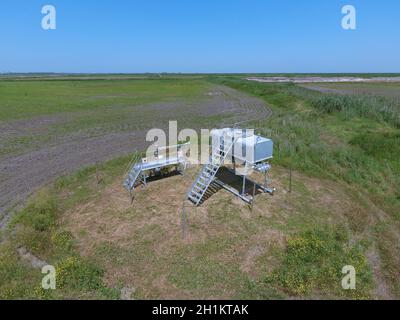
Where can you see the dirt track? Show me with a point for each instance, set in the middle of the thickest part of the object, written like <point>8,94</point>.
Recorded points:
<point>23,173</point>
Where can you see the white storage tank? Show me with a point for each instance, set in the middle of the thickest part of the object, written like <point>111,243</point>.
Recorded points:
<point>248,146</point>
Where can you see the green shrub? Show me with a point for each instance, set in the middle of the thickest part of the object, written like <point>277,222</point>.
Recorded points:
<point>36,242</point>
<point>40,212</point>
<point>328,104</point>
<point>80,276</point>
<point>379,145</point>
<point>75,273</point>
<point>16,279</point>
<point>63,241</point>
<point>313,262</point>
<point>371,107</point>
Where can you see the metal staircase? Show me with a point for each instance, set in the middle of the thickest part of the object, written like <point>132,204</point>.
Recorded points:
<point>208,172</point>
<point>133,175</point>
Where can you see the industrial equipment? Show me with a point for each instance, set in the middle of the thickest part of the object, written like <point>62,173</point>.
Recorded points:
<point>239,147</point>
<point>142,169</point>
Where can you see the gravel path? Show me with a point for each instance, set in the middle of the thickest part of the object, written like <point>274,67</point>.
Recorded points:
<point>22,174</point>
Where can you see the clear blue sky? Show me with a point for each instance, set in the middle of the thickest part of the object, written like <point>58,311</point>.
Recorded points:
<point>200,36</point>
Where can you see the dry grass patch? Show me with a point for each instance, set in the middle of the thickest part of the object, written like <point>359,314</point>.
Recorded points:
<point>139,244</point>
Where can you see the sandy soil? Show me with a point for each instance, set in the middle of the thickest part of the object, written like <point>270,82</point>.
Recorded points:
<point>23,173</point>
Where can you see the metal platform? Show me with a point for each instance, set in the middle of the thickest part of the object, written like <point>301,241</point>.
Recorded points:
<point>158,164</point>
<point>139,172</point>
<point>224,142</point>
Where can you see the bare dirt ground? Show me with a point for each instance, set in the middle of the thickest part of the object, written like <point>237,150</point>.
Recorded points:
<point>24,172</point>
<point>323,79</point>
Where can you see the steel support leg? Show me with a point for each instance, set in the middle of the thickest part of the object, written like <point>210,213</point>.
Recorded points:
<point>144,180</point>
<point>244,179</point>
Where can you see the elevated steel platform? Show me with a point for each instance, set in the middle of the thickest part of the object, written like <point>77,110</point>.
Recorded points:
<point>141,170</point>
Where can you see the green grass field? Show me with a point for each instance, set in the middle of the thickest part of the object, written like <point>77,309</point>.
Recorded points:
<point>388,90</point>
<point>345,207</point>
<point>39,113</point>
<point>26,99</point>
